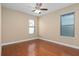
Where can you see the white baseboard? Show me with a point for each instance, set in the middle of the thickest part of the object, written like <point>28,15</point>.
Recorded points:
<point>68,45</point>
<point>18,41</point>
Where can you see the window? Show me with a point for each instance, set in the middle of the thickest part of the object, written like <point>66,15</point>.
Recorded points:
<point>31,26</point>
<point>67,25</point>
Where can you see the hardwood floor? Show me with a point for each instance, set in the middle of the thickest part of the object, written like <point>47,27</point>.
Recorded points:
<point>38,47</point>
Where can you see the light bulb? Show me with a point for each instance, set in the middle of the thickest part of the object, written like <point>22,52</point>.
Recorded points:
<point>37,11</point>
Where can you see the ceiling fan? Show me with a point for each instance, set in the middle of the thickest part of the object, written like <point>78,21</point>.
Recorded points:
<point>38,8</point>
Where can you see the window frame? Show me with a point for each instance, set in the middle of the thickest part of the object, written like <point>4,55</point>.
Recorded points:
<point>31,27</point>
<point>61,24</point>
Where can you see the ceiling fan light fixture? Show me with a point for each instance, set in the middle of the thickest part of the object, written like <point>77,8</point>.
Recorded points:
<point>37,11</point>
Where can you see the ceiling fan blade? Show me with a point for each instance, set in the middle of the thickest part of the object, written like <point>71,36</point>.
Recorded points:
<point>39,4</point>
<point>44,9</point>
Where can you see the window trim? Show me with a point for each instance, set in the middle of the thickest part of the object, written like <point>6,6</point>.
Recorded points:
<point>61,24</point>
<point>31,27</point>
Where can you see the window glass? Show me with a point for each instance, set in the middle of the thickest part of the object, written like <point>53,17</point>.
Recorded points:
<point>31,30</point>
<point>67,25</point>
<point>31,22</point>
<point>31,27</point>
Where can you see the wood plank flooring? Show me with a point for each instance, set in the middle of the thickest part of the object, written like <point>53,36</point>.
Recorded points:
<point>38,47</point>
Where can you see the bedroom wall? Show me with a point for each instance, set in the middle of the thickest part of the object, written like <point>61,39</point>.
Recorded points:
<point>49,26</point>
<point>15,26</point>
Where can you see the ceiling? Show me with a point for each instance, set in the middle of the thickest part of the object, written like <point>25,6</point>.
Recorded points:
<point>28,7</point>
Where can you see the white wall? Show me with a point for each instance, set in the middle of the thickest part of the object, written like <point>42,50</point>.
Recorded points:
<point>49,26</point>
<point>15,26</point>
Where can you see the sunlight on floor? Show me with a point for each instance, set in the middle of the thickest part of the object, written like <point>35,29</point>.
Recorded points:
<point>31,49</point>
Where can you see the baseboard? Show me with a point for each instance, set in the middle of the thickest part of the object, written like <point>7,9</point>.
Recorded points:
<point>18,41</point>
<point>68,45</point>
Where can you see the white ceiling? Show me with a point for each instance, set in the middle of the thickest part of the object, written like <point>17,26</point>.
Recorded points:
<point>28,7</point>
